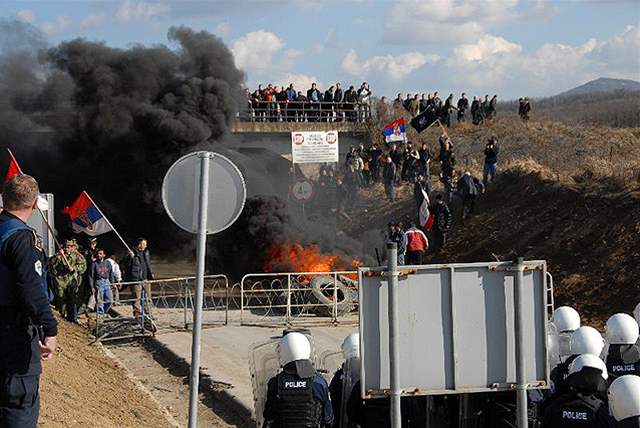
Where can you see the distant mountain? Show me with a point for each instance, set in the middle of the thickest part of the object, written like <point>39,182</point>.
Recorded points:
<point>603,84</point>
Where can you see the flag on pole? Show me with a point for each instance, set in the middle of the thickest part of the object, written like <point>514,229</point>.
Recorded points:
<point>424,120</point>
<point>395,131</point>
<point>426,216</point>
<point>14,168</point>
<point>86,216</point>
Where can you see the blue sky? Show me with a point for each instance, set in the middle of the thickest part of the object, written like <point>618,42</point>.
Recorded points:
<point>508,47</point>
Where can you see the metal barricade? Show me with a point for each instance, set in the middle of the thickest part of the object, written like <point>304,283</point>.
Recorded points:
<point>168,306</point>
<point>289,298</point>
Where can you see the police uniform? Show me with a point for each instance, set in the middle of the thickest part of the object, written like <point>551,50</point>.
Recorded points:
<point>24,312</point>
<point>623,360</point>
<point>297,402</point>
<point>574,409</point>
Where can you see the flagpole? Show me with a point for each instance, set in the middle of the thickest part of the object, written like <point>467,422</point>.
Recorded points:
<point>108,222</point>
<point>64,257</point>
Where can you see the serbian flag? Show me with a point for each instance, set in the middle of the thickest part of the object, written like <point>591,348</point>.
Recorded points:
<point>395,131</point>
<point>86,216</point>
<point>426,216</point>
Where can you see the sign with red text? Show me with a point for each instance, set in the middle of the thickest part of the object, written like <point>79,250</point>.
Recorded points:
<point>314,147</point>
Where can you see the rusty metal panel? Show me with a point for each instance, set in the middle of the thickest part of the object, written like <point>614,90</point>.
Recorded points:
<point>456,328</point>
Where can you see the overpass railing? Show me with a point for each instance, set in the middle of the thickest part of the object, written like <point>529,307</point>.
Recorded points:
<point>305,111</point>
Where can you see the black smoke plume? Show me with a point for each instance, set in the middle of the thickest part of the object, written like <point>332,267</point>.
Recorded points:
<point>83,115</point>
<point>86,116</point>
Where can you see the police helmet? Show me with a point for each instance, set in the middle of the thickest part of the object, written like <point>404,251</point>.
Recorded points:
<point>624,397</point>
<point>351,346</point>
<point>622,329</point>
<point>586,340</point>
<point>566,319</point>
<point>636,313</point>
<point>293,347</point>
<point>588,361</point>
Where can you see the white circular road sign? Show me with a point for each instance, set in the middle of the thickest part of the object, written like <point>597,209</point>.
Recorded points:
<point>226,192</point>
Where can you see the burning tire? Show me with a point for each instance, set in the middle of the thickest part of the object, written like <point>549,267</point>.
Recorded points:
<point>322,292</point>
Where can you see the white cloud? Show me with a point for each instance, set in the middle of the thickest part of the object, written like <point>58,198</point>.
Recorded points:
<point>26,16</point>
<point>60,24</point>
<point>301,82</point>
<point>221,29</point>
<point>393,67</point>
<point>494,62</point>
<point>487,47</point>
<point>91,21</point>
<point>438,21</point>
<point>254,51</point>
<point>132,10</point>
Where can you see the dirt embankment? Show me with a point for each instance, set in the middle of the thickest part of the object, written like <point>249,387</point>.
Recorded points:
<point>569,195</point>
<point>83,387</point>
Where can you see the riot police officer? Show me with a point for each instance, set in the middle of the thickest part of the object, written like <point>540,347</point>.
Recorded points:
<point>28,328</point>
<point>566,319</point>
<point>342,384</point>
<point>624,401</point>
<point>584,340</point>
<point>298,397</point>
<point>581,406</point>
<point>623,356</point>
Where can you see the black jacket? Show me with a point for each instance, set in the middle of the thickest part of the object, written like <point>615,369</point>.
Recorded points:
<point>138,266</point>
<point>442,217</point>
<point>337,96</point>
<point>491,154</point>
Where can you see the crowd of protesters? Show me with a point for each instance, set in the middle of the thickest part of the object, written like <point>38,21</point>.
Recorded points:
<point>279,104</point>
<point>481,111</point>
<point>396,165</point>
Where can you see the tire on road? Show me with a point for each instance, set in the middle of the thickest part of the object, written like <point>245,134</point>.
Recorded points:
<point>322,290</point>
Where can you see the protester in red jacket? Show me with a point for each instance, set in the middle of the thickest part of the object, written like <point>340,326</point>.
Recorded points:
<point>417,244</point>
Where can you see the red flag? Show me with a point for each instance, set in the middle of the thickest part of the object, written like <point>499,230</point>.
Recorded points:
<point>14,168</point>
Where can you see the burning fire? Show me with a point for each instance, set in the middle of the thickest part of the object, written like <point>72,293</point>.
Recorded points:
<point>294,257</point>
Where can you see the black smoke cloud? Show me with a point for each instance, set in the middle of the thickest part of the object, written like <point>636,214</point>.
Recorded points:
<point>85,116</point>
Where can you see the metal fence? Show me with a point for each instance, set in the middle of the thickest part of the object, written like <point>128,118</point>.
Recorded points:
<point>299,298</point>
<point>168,305</point>
<point>305,111</point>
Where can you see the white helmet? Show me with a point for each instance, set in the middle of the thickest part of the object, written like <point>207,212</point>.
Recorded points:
<point>636,313</point>
<point>586,340</point>
<point>622,329</point>
<point>566,319</point>
<point>351,346</point>
<point>624,397</point>
<point>588,360</point>
<point>293,347</point>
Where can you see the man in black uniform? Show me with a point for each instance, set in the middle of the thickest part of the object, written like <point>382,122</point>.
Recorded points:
<point>582,405</point>
<point>298,397</point>
<point>442,222</point>
<point>28,328</point>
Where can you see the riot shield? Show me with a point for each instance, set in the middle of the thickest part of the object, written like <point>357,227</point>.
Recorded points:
<point>328,363</point>
<point>264,364</point>
<point>553,346</point>
<point>564,345</point>
<point>350,376</point>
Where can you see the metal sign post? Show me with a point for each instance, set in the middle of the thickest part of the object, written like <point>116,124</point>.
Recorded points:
<point>521,382</point>
<point>203,193</point>
<point>194,382</point>
<point>394,335</point>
